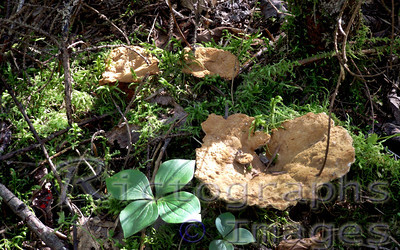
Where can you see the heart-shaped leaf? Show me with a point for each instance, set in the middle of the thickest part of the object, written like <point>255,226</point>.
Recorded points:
<point>179,207</point>
<point>173,175</point>
<point>129,185</point>
<point>138,215</point>
<point>240,236</point>
<point>220,245</point>
<point>225,223</point>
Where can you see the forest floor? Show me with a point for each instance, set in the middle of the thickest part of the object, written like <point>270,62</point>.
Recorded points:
<point>74,119</point>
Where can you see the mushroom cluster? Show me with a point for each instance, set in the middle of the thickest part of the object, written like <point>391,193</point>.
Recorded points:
<point>228,164</point>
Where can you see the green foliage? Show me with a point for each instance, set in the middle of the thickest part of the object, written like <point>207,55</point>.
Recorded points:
<point>172,206</point>
<point>162,237</point>
<point>15,242</point>
<point>239,46</point>
<point>264,83</point>
<point>373,163</point>
<point>274,90</point>
<point>171,62</point>
<point>225,224</point>
<point>173,175</point>
<point>271,220</point>
<point>65,222</point>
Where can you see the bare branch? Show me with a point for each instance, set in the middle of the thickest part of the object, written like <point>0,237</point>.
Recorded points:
<point>46,234</point>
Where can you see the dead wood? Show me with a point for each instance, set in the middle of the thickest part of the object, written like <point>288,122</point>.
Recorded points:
<point>45,233</point>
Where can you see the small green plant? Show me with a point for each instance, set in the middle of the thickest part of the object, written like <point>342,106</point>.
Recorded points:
<point>225,224</point>
<point>172,206</point>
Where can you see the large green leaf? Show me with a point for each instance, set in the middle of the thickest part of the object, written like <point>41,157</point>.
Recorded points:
<point>129,185</point>
<point>179,207</point>
<point>173,175</point>
<point>220,245</point>
<point>240,236</point>
<point>138,215</point>
<point>225,223</point>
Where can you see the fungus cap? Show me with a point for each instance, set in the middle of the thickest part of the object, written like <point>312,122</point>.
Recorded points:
<point>211,61</point>
<point>123,60</point>
<point>300,145</point>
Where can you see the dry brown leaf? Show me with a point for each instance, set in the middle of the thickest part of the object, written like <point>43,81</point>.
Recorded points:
<point>119,135</point>
<point>90,230</point>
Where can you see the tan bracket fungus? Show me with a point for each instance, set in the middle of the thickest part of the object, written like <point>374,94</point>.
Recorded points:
<point>300,145</point>
<point>211,61</point>
<point>122,60</point>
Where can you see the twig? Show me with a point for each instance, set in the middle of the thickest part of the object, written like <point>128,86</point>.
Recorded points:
<point>40,89</point>
<point>65,60</point>
<point>152,28</point>
<point>108,20</point>
<point>35,225</point>
<point>166,142</point>
<point>384,6</point>
<point>340,78</point>
<point>270,35</point>
<point>368,93</point>
<point>250,62</point>
<point>196,8</point>
<point>278,11</point>
<point>394,240</point>
<point>42,64</point>
<point>50,137</point>
<point>142,237</point>
<point>312,59</point>
<point>170,29</point>
<point>353,16</point>
<point>30,27</point>
<point>343,59</point>
<point>134,97</point>
<point>159,158</point>
<point>273,157</point>
<point>240,49</point>
<point>177,26</point>
<point>156,166</point>
<point>315,58</point>
<point>392,38</point>
<point>97,48</point>
<point>63,151</point>
<point>93,147</point>
<point>33,130</point>
<point>72,45</point>
<point>113,46</point>
<point>67,82</point>
<point>128,130</point>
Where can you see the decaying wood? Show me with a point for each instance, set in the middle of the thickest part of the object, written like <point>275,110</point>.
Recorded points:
<point>46,234</point>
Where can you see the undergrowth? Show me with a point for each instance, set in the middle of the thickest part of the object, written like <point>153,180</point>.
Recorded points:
<point>271,92</point>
